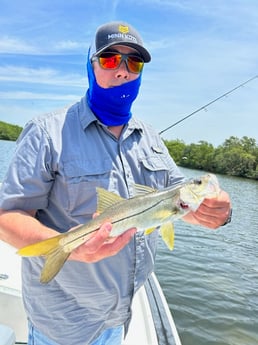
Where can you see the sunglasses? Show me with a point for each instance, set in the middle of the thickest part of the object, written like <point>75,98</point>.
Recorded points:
<point>112,60</point>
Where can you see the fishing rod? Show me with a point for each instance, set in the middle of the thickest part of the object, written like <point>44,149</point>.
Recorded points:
<point>208,104</point>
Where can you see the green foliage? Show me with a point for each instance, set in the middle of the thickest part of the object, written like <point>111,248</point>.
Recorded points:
<point>9,132</point>
<point>235,157</point>
<point>176,149</point>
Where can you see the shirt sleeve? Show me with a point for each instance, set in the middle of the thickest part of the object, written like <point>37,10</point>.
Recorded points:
<point>30,176</point>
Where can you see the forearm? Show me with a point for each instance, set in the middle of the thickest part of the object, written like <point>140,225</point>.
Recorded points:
<point>19,228</point>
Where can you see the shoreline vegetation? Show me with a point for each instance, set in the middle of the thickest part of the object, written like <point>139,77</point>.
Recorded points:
<point>235,157</point>
<point>9,132</point>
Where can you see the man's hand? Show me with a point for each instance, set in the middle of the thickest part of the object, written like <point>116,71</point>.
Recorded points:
<point>212,213</point>
<point>100,245</point>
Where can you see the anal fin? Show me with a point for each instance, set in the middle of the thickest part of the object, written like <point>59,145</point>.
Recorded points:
<point>168,234</point>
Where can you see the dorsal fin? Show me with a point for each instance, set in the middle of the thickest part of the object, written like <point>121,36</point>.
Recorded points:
<point>106,199</point>
<point>140,189</point>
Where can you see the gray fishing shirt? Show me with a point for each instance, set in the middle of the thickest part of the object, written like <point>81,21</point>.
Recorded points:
<point>59,161</point>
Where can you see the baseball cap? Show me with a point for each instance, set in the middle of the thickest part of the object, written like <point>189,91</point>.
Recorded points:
<point>114,33</point>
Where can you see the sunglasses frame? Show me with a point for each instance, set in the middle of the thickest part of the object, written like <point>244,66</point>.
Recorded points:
<point>124,57</point>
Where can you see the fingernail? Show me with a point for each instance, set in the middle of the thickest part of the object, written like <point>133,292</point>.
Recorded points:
<point>108,227</point>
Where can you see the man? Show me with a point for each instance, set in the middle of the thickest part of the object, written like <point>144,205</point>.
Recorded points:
<point>51,187</point>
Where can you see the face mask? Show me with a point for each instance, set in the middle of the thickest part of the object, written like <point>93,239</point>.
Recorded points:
<point>112,106</point>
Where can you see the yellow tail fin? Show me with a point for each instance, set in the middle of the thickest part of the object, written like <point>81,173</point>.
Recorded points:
<point>55,260</point>
<point>54,253</point>
<point>40,248</point>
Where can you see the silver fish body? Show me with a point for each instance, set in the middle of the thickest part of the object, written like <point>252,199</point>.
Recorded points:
<point>146,211</point>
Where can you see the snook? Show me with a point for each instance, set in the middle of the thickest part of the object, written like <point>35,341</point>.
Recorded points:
<point>146,211</point>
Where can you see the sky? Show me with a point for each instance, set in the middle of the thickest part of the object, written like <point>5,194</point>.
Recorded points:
<point>200,50</point>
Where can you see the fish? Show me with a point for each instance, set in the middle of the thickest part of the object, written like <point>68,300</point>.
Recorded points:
<point>148,210</point>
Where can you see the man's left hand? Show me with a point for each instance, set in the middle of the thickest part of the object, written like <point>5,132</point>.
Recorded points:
<point>212,213</point>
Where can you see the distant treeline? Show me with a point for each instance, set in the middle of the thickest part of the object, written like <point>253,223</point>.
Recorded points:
<point>235,157</point>
<point>9,132</point>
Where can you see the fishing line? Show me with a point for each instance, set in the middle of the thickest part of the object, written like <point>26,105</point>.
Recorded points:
<point>208,104</point>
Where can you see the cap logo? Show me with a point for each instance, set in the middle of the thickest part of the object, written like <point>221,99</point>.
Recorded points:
<point>123,29</point>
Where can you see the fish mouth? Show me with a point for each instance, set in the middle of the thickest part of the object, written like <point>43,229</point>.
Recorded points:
<point>183,205</point>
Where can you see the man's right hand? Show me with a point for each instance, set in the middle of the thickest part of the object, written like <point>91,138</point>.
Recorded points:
<point>100,245</point>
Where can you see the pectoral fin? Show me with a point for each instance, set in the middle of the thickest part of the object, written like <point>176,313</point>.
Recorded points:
<point>149,231</point>
<point>168,234</point>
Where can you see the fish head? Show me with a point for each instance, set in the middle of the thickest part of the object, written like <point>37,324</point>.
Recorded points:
<point>196,190</point>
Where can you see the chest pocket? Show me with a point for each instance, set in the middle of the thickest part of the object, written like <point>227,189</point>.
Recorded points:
<point>82,178</point>
<point>154,171</point>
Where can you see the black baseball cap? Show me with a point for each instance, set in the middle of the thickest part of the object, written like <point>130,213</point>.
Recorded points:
<point>114,33</point>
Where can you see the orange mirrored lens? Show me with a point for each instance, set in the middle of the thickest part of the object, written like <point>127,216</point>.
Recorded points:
<point>111,60</point>
<point>134,64</point>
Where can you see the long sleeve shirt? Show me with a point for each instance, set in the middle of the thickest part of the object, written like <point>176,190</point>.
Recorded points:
<point>59,161</point>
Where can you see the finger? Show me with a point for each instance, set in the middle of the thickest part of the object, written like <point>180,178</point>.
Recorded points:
<point>96,214</point>
<point>98,238</point>
<point>214,216</point>
<point>207,220</point>
<point>216,210</point>
<point>222,200</point>
<point>111,249</point>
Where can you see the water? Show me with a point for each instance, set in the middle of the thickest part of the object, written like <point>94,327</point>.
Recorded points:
<point>210,279</point>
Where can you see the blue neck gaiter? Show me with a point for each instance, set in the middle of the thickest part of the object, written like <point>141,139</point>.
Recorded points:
<point>112,106</point>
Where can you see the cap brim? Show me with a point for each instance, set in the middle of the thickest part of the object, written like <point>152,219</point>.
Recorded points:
<point>144,52</point>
